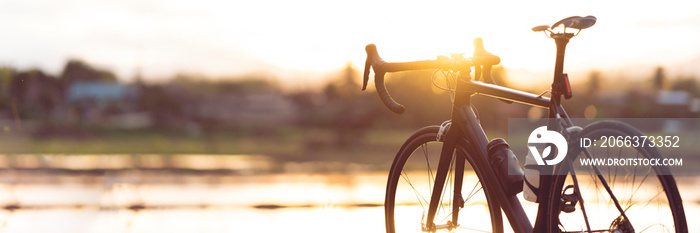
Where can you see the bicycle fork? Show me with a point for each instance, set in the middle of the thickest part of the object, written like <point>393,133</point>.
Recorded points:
<point>446,156</point>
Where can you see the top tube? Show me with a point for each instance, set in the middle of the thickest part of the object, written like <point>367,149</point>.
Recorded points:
<point>501,92</point>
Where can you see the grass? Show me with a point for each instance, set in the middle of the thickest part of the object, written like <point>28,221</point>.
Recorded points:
<point>285,143</point>
<point>377,146</point>
<point>147,142</point>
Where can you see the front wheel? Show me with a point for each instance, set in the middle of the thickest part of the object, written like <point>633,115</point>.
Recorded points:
<point>462,205</point>
<point>646,195</point>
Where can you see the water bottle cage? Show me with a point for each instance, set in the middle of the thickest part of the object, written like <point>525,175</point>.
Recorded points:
<point>534,189</point>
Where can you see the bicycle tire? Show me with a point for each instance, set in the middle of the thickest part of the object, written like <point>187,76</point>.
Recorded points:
<point>633,205</point>
<point>405,175</point>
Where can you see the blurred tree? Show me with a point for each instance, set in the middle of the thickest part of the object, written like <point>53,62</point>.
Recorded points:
<point>165,108</point>
<point>308,103</point>
<point>6,74</point>
<point>77,70</point>
<point>593,84</point>
<point>687,84</point>
<point>246,85</point>
<point>638,105</point>
<point>586,95</point>
<point>659,79</point>
<point>34,94</point>
<point>193,84</point>
<point>344,109</point>
<point>200,85</point>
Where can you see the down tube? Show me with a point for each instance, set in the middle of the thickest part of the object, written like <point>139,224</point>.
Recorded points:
<point>510,204</point>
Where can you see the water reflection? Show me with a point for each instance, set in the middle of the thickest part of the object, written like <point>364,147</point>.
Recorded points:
<point>202,200</point>
<point>239,163</point>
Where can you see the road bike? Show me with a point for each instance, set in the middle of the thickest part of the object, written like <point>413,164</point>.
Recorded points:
<point>427,185</point>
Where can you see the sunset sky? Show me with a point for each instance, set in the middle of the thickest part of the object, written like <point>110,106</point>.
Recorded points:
<point>301,42</point>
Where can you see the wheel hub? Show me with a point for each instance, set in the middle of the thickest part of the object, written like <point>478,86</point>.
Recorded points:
<point>621,225</point>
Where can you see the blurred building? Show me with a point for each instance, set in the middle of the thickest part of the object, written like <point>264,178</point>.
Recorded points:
<point>103,93</point>
<point>254,110</point>
<point>109,103</point>
<point>676,103</point>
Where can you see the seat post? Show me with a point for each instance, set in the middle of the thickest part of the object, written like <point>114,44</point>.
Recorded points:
<point>561,40</point>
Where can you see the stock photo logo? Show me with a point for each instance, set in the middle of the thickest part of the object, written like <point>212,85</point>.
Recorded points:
<point>543,137</point>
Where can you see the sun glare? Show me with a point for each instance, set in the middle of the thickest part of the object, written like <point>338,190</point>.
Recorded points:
<point>294,39</point>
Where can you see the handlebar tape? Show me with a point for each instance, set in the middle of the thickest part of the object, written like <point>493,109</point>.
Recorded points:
<point>384,95</point>
<point>380,68</point>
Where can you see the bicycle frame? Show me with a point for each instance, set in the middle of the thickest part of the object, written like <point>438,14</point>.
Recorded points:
<point>467,126</point>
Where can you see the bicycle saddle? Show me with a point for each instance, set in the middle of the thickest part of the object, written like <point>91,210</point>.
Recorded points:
<point>575,22</point>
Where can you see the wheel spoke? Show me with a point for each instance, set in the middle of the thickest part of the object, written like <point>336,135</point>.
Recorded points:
<point>447,186</point>
<point>623,198</point>
<point>420,197</point>
<point>417,162</point>
<point>431,177</point>
<point>474,191</point>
